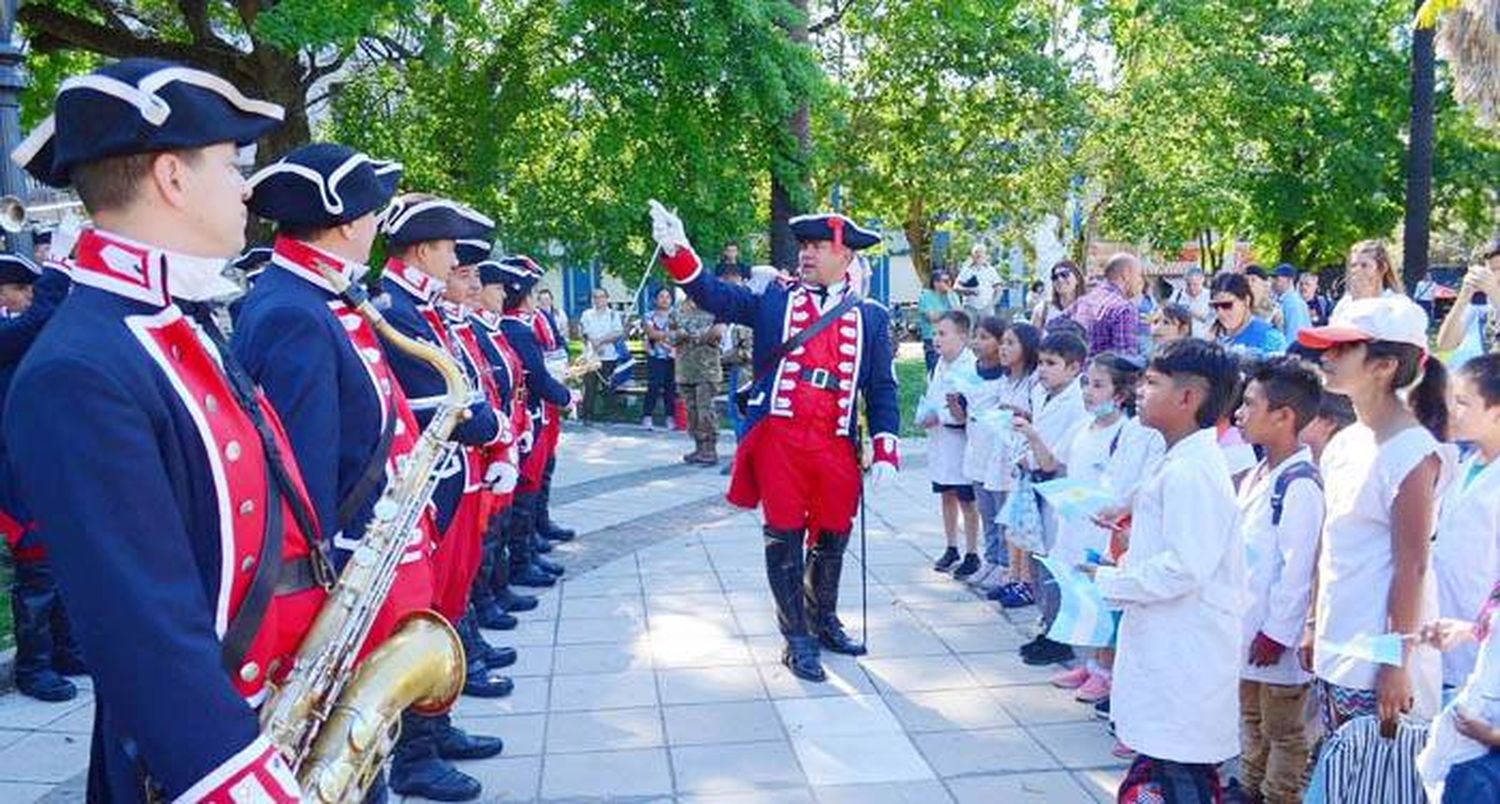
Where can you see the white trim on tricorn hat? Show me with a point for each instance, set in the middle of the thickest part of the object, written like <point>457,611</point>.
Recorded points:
<point>333,203</point>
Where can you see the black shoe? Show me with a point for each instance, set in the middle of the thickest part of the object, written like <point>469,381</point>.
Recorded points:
<point>1049,652</point>
<point>498,657</point>
<point>946,561</point>
<point>801,657</point>
<point>551,531</point>
<point>455,743</point>
<point>515,601</point>
<point>47,685</point>
<point>969,566</point>
<point>1031,647</point>
<point>494,618</point>
<point>548,565</point>
<point>481,683</point>
<point>531,576</point>
<point>1101,709</point>
<point>435,779</point>
<point>70,666</point>
<point>540,545</point>
<point>820,589</point>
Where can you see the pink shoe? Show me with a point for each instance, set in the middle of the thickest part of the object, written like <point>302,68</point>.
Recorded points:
<point>1071,679</point>
<point>1122,751</point>
<point>1095,689</point>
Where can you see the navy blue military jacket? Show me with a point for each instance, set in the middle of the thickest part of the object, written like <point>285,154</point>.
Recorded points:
<point>541,386</point>
<point>17,332</point>
<point>411,312</point>
<point>151,489</point>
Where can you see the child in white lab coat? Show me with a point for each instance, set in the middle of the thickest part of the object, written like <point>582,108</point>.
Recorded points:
<point>1461,762</point>
<point>1382,479</point>
<point>1175,698</point>
<point>1021,393</point>
<point>946,440</point>
<point>1466,552</point>
<point>1281,518</point>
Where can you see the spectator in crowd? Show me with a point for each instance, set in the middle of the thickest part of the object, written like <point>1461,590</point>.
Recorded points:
<point>1173,323</point>
<point>736,349</point>
<point>699,339</point>
<point>1193,295</point>
<point>1383,477</point>
<point>1369,273</point>
<point>1067,286</point>
<point>557,317</point>
<point>1235,325</point>
<point>729,261</point>
<point>1318,304</point>
<point>978,283</point>
<point>1262,301</point>
<point>603,329</point>
<point>1470,323</point>
<point>1106,313</point>
<point>1295,316</point>
<point>936,301</point>
<point>941,413</point>
<point>661,360</point>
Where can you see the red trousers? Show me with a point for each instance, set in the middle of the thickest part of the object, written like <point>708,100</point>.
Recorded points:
<point>458,556</point>
<point>534,464</point>
<point>802,474</point>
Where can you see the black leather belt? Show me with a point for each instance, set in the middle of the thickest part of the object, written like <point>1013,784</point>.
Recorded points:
<point>820,378</point>
<point>296,576</point>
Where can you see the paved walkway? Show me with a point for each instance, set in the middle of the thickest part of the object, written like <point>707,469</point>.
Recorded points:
<point>652,673</point>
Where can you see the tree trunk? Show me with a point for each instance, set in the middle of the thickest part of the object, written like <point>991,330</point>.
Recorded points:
<point>916,227</point>
<point>1415,238</point>
<point>789,169</point>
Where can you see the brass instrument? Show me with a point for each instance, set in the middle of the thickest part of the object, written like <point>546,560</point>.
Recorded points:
<point>334,722</point>
<point>585,363</point>
<point>15,215</point>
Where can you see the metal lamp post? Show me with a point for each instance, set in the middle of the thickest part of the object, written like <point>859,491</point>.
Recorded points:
<point>12,81</point>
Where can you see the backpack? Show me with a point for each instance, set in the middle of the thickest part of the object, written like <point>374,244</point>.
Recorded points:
<point>1297,471</point>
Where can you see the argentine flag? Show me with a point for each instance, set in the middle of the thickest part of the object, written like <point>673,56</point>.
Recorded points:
<point>1083,619</point>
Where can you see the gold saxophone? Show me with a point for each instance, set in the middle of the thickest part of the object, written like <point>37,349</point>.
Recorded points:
<point>334,722</point>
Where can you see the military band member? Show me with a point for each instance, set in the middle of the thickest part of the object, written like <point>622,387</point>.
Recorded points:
<point>553,342</point>
<point>162,484</point>
<point>422,233</point>
<point>798,458</point>
<point>519,276</point>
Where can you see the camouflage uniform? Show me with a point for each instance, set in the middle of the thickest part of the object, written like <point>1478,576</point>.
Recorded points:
<point>697,337</point>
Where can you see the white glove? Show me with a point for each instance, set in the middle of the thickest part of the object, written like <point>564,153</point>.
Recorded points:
<point>64,238</point>
<point>666,229</point>
<point>882,474</point>
<point>501,477</point>
<point>524,442</point>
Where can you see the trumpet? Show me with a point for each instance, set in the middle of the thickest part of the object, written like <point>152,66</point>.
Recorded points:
<point>15,215</point>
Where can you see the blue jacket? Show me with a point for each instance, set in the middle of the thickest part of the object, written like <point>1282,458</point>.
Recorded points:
<point>768,316</point>
<point>150,488</point>
<point>16,336</point>
<point>540,385</point>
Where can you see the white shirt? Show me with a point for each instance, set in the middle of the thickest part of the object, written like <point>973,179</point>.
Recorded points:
<point>1116,458</point>
<point>1466,553</point>
<point>1176,690</point>
<point>1026,393</point>
<point>602,325</point>
<point>945,440</point>
<point>1279,560</point>
<point>1203,316</point>
<point>980,298</point>
<point>1355,562</point>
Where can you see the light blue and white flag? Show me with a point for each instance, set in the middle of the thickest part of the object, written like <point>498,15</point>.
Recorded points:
<point>1071,499</point>
<point>1381,648</point>
<point>1083,619</point>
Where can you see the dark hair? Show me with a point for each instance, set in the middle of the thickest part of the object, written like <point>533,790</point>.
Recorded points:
<point>1289,382</point>
<point>1178,315</point>
<point>1484,372</point>
<point>1426,378</point>
<point>1065,345</point>
<point>1124,375</point>
<point>959,319</point>
<point>1236,285</point>
<point>1208,363</point>
<point>1336,408</point>
<point>1030,338</point>
<point>1078,288</point>
<point>112,182</point>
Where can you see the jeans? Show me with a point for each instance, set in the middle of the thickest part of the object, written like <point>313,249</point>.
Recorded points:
<point>731,410</point>
<point>929,354</point>
<point>660,385</point>
<point>989,505</point>
<point>1273,740</point>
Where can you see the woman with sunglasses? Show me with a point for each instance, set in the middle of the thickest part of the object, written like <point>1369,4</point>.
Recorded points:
<point>1235,327</point>
<point>1067,286</point>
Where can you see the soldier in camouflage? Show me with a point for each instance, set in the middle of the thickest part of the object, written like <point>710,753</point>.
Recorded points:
<point>697,337</point>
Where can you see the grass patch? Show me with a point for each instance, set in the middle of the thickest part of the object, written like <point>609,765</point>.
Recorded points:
<point>911,373</point>
<point>7,628</point>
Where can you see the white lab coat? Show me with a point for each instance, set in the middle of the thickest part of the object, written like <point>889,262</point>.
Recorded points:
<point>1466,554</point>
<point>945,438</point>
<point>1116,458</point>
<point>1279,560</point>
<point>1176,679</point>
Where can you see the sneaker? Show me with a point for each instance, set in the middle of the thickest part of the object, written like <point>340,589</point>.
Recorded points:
<point>1095,689</point>
<point>1048,652</point>
<point>946,561</point>
<point>1122,751</point>
<point>1015,595</point>
<point>969,566</point>
<point>1032,646</point>
<point>1101,709</point>
<point>647,423</point>
<point>1071,679</point>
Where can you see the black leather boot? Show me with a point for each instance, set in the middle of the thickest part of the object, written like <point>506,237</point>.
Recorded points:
<point>519,533</point>
<point>544,524</point>
<point>478,650</point>
<point>417,770</point>
<point>455,743</point>
<point>784,574</point>
<point>821,589</point>
<point>507,599</point>
<point>33,599</point>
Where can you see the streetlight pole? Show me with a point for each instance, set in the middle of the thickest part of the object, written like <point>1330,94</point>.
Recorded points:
<point>12,81</point>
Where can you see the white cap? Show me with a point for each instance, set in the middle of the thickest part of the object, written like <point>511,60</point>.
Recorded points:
<point>1392,317</point>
